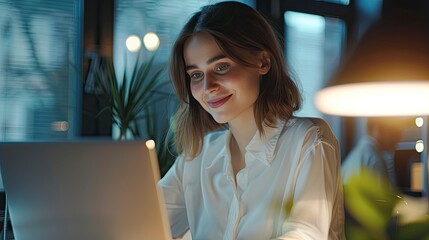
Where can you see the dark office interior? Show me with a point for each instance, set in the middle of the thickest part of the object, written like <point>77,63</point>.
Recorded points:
<point>50,49</point>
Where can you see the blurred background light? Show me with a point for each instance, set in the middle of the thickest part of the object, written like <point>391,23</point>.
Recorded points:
<point>151,41</point>
<point>419,122</point>
<point>133,43</point>
<point>60,126</point>
<point>420,146</point>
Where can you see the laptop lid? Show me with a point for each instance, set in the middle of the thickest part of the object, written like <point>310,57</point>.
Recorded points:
<point>83,190</point>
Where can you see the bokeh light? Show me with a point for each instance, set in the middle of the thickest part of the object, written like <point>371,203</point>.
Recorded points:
<point>133,43</point>
<point>419,122</point>
<point>420,146</point>
<point>151,41</point>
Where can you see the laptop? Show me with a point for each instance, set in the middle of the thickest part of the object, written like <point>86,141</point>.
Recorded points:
<point>83,190</point>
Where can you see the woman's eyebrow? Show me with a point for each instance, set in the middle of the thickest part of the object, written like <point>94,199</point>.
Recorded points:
<point>213,59</point>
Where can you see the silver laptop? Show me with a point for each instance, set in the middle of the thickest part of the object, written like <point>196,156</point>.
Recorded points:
<point>83,190</point>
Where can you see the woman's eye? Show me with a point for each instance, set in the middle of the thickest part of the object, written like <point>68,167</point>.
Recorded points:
<point>196,76</point>
<point>222,68</point>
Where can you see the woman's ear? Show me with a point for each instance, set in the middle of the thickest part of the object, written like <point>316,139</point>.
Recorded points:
<point>264,63</point>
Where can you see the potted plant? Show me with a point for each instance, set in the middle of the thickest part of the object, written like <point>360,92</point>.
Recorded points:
<point>134,102</point>
<point>130,96</point>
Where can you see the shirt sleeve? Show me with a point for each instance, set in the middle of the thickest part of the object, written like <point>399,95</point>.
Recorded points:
<point>313,207</point>
<point>172,188</point>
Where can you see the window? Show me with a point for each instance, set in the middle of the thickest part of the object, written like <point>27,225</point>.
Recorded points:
<point>313,47</point>
<point>40,45</point>
<point>315,35</point>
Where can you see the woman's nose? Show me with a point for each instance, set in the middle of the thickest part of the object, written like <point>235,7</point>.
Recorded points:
<point>210,83</point>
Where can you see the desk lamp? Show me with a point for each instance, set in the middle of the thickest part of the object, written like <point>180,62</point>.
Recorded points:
<point>387,74</point>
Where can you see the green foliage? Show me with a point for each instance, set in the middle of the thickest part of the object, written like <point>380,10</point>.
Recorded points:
<point>130,96</point>
<point>416,230</point>
<point>371,201</point>
<point>134,99</point>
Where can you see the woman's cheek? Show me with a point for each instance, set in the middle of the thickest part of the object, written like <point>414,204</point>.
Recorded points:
<point>196,90</point>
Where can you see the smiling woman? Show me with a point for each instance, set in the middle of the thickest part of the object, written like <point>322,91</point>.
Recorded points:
<point>225,89</point>
<point>248,168</point>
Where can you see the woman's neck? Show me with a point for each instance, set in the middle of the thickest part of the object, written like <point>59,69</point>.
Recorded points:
<point>243,132</point>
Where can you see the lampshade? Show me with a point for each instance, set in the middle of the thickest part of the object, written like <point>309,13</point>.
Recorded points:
<point>387,73</point>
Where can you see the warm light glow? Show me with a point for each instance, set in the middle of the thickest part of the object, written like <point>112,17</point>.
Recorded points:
<point>151,41</point>
<point>60,126</point>
<point>133,43</point>
<point>420,146</point>
<point>375,99</point>
<point>419,122</point>
<point>150,144</point>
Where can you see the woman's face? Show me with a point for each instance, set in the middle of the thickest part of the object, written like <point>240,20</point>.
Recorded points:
<point>224,88</point>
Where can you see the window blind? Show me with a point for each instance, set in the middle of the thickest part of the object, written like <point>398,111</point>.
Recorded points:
<point>40,45</point>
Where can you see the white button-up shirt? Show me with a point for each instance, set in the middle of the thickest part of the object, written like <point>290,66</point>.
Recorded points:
<point>290,187</point>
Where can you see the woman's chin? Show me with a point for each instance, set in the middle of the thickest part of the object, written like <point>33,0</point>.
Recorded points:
<point>220,118</point>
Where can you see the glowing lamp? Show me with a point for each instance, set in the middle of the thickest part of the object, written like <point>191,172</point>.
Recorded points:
<point>387,73</point>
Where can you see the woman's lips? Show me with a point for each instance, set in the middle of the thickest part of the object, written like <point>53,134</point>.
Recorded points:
<point>218,102</point>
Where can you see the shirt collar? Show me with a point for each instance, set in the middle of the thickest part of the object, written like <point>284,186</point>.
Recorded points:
<point>223,152</point>
<point>263,147</point>
<point>260,148</point>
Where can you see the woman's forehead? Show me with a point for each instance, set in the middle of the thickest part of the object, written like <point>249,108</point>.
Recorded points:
<point>203,47</point>
<point>200,40</point>
<point>200,47</point>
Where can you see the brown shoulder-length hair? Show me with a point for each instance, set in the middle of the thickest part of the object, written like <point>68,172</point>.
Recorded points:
<point>238,30</point>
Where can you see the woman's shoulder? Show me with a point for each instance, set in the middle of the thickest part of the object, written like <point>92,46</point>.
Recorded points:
<point>316,127</point>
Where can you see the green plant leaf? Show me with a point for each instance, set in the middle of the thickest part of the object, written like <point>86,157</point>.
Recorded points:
<point>360,233</point>
<point>131,96</point>
<point>416,230</point>
<point>370,199</point>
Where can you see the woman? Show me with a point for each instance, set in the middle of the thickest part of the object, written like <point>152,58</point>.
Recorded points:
<point>248,169</point>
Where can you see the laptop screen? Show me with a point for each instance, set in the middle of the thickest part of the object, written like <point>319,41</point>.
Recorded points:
<point>83,190</point>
